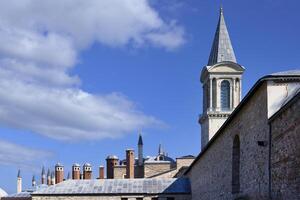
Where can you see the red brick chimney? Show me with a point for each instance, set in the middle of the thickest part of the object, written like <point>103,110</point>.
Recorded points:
<point>87,171</point>
<point>111,161</point>
<point>59,173</point>
<point>101,172</point>
<point>76,171</point>
<point>129,163</point>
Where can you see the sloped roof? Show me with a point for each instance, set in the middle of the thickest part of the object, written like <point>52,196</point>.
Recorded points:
<point>222,48</point>
<point>118,186</point>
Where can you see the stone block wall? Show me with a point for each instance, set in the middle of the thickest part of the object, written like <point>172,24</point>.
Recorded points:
<point>285,156</point>
<point>119,171</point>
<point>151,169</point>
<point>132,197</point>
<point>211,175</point>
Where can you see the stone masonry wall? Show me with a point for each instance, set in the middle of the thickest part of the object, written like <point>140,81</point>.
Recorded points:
<point>161,197</point>
<point>152,169</point>
<point>119,171</point>
<point>285,157</point>
<point>211,176</point>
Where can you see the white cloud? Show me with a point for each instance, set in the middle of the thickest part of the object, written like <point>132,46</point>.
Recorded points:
<point>40,43</point>
<point>13,154</point>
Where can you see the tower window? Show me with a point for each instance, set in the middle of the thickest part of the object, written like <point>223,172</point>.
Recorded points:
<point>236,165</point>
<point>225,95</point>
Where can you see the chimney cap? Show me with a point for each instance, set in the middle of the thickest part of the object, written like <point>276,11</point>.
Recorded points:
<point>87,165</point>
<point>58,165</point>
<point>112,157</point>
<point>76,165</point>
<point>129,149</point>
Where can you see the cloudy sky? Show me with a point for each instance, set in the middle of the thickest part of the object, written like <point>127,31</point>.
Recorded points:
<point>80,79</point>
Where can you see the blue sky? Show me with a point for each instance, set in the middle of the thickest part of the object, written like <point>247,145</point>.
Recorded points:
<point>80,80</point>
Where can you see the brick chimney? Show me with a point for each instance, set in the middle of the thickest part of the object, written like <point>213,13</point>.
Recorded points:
<point>59,173</point>
<point>101,172</point>
<point>76,171</point>
<point>111,161</point>
<point>87,171</point>
<point>129,163</point>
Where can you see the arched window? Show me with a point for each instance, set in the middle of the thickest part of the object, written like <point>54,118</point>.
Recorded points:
<point>214,93</point>
<point>225,95</point>
<point>236,165</point>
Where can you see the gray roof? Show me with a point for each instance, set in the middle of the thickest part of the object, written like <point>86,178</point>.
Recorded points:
<point>19,195</point>
<point>221,49</point>
<point>287,73</point>
<point>118,186</point>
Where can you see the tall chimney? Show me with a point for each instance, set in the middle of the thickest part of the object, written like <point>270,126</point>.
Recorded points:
<point>129,163</point>
<point>76,171</point>
<point>101,172</point>
<point>111,162</point>
<point>140,151</point>
<point>48,177</point>
<point>59,173</point>
<point>19,182</point>
<point>43,176</point>
<point>87,171</point>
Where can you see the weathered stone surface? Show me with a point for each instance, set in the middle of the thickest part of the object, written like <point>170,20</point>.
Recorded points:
<point>285,157</point>
<point>211,176</point>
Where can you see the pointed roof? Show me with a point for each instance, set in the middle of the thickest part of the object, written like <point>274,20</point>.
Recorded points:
<point>140,142</point>
<point>221,49</point>
<point>43,171</point>
<point>19,174</point>
<point>160,150</point>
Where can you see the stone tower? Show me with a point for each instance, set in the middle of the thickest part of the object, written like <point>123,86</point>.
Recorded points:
<point>19,182</point>
<point>140,151</point>
<point>221,80</point>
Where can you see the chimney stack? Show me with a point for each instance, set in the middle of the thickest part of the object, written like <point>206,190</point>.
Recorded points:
<point>101,172</point>
<point>76,171</point>
<point>111,161</point>
<point>87,171</point>
<point>59,173</point>
<point>19,182</point>
<point>48,177</point>
<point>129,163</point>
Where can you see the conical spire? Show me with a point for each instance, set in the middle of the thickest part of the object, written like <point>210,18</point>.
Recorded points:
<point>222,49</point>
<point>160,150</point>
<point>19,174</point>
<point>43,171</point>
<point>140,142</point>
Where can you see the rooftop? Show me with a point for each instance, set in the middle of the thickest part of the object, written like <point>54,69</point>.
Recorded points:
<point>118,186</point>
